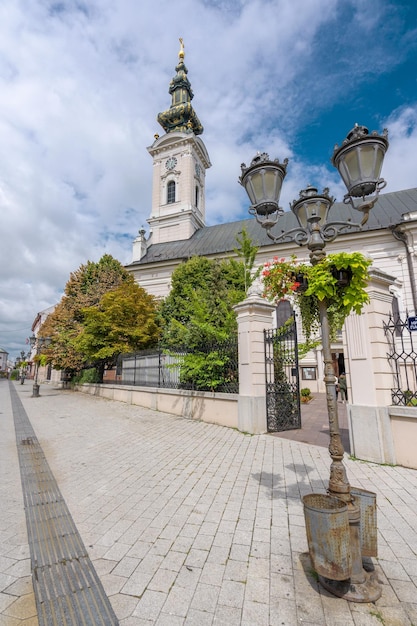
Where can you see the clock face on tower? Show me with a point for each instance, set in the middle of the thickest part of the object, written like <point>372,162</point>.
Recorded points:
<point>170,163</point>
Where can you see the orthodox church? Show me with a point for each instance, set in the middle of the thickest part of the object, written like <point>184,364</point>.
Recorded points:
<point>178,230</point>
<point>177,224</point>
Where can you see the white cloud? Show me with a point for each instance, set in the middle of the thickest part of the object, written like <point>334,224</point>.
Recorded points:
<point>81,85</point>
<point>400,168</point>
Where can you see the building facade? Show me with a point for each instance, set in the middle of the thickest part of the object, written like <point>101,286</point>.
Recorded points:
<point>3,360</point>
<point>178,230</point>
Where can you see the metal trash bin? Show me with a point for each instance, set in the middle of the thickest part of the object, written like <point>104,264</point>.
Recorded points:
<point>328,535</point>
<point>368,522</point>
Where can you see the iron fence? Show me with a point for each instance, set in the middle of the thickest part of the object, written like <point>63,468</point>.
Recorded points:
<point>212,367</point>
<point>402,356</point>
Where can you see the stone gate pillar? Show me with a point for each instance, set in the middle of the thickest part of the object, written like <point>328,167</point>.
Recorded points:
<point>369,375</point>
<point>253,316</point>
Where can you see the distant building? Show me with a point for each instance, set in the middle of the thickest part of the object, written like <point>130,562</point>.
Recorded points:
<point>3,360</point>
<point>45,372</point>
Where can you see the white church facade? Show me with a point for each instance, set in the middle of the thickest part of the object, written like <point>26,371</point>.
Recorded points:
<point>178,229</point>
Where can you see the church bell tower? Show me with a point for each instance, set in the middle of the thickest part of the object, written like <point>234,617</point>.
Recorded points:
<point>180,161</point>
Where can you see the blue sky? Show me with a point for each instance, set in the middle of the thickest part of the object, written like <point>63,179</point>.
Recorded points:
<point>81,84</point>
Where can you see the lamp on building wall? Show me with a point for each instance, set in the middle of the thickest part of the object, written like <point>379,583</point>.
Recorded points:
<point>359,161</point>
<point>37,343</point>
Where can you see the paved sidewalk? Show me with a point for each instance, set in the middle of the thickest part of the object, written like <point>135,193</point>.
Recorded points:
<point>190,523</point>
<point>315,424</point>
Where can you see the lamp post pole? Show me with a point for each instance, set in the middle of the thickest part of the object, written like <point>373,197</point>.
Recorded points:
<point>35,388</point>
<point>38,343</point>
<point>359,161</point>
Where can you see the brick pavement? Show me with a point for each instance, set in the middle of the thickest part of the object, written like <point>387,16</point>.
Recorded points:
<point>191,523</point>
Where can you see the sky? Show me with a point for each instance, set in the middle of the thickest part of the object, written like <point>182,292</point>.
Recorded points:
<point>81,84</point>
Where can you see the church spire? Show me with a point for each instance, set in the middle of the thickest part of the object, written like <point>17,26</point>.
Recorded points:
<point>181,115</point>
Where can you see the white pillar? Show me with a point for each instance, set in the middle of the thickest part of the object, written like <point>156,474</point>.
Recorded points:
<point>254,315</point>
<point>369,375</point>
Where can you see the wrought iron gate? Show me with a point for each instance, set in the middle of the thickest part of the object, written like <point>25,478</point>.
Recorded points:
<point>282,378</point>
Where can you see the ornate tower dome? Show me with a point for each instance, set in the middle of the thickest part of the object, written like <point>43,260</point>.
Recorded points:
<point>181,115</point>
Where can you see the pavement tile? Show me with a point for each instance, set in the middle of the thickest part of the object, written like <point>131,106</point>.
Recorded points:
<point>223,540</point>
<point>219,554</point>
<point>255,614</point>
<point>232,593</point>
<point>205,597</point>
<point>236,570</point>
<point>406,591</point>
<point>162,580</point>
<point>150,605</point>
<point>188,577</point>
<point>199,618</point>
<point>239,552</point>
<point>136,584</point>
<point>20,587</point>
<point>5,581</point>
<point>203,542</point>
<point>117,551</point>
<point>123,605</point>
<point>174,560</point>
<point>136,621</point>
<point>6,600</point>
<point>227,616</point>
<point>393,570</point>
<point>189,523</point>
<point>283,612</point>
<point>196,558</point>
<point>178,601</point>
<point>257,590</point>
<point>282,586</point>
<point>212,574</point>
<point>22,608</point>
<point>140,549</point>
<point>168,619</point>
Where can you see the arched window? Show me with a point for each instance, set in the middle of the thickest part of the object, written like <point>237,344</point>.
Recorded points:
<point>196,196</point>
<point>171,192</point>
<point>284,311</point>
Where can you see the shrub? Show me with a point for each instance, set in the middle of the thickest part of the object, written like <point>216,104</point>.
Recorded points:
<point>90,375</point>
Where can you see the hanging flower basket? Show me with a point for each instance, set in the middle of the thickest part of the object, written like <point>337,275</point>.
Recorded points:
<point>342,276</point>
<point>340,279</point>
<point>302,282</point>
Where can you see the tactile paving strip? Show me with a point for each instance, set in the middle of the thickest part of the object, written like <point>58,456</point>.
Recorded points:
<point>67,589</point>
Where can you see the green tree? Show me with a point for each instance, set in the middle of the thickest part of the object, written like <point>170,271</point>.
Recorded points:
<point>198,315</point>
<point>84,288</point>
<point>123,321</point>
<point>198,309</point>
<point>247,252</point>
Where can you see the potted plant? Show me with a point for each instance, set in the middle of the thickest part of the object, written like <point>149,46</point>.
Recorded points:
<point>305,395</point>
<point>340,279</point>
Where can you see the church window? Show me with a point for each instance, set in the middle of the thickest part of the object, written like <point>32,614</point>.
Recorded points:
<point>196,196</point>
<point>171,192</point>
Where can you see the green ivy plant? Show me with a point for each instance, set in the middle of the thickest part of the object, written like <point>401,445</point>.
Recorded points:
<point>310,284</point>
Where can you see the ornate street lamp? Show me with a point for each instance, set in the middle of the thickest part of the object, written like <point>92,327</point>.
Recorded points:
<point>359,161</point>
<point>38,343</point>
